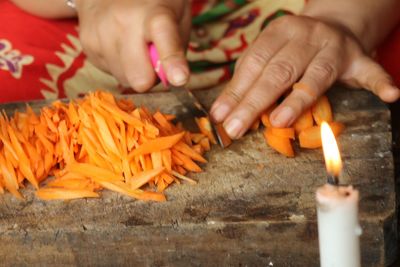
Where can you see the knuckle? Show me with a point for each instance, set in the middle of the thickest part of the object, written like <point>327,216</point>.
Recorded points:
<point>258,58</point>
<point>254,104</point>
<point>233,95</point>
<point>158,22</point>
<point>324,69</point>
<point>282,72</point>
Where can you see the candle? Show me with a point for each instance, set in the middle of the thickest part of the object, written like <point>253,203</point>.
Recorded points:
<point>337,212</point>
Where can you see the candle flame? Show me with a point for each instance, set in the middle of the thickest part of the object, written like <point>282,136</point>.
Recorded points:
<point>333,160</point>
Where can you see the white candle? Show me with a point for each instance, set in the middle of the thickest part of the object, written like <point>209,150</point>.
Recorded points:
<point>338,227</point>
<point>337,212</point>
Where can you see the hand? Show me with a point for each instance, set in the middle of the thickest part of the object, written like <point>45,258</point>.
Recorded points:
<point>115,37</point>
<point>289,49</point>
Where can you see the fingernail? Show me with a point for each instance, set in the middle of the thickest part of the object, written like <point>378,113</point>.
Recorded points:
<point>219,112</point>
<point>179,76</point>
<point>284,117</point>
<point>233,128</point>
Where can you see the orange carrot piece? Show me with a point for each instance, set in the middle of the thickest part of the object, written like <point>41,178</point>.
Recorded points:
<point>24,164</point>
<point>198,148</point>
<point>62,193</point>
<point>92,171</point>
<point>303,122</point>
<point>205,128</point>
<point>265,116</point>
<point>283,132</point>
<point>157,144</point>
<point>162,121</point>
<point>167,159</point>
<point>156,159</point>
<point>196,137</point>
<point>188,163</point>
<point>280,144</point>
<point>170,117</point>
<point>187,150</point>
<point>142,178</point>
<point>311,137</point>
<point>205,144</point>
<point>322,110</point>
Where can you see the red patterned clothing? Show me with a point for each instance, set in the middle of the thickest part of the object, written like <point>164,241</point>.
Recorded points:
<point>43,59</point>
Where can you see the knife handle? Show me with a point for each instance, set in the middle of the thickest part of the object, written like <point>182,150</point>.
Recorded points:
<point>155,61</point>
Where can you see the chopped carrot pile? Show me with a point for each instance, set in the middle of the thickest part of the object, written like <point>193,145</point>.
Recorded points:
<point>98,143</point>
<point>306,128</point>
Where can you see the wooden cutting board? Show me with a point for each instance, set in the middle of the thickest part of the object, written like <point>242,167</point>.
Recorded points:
<point>251,207</point>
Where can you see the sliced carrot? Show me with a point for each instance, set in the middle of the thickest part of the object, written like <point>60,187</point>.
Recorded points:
<point>205,128</point>
<point>199,149</point>
<point>62,193</point>
<point>205,144</point>
<point>144,177</point>
<point>303,122</point>
<point>322,110</point>
<point>265,116</point>
<point>167,159</point>
<point>196,137</point>
<point>283,132</point>
<point>188,163</point>
<point>157,144</point>
<point>280,144</point>
<point>187,150</point>
<point>311,137</point>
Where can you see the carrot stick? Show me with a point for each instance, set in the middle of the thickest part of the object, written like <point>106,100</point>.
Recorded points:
<point>205,128</point>
<point>205,144</point>
<point>322,110</point>
<point>142,178</point>
<point>187,150</point>
<point>62,193</point>
<point>92,171</point>
<point>157,144</point>
<point>280,144</point>
<point>188,164</point>
<point>167,159</point>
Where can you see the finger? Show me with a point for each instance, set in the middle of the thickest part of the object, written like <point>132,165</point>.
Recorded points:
<point>249,68</point>
<point>280,73</point>
<point>111,48</point>
<point>163,31</point>
<point>318,77</point>
<point>368,74</point>
<point>136,64</point>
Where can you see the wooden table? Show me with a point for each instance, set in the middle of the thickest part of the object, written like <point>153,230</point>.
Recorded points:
<point>251,207</point>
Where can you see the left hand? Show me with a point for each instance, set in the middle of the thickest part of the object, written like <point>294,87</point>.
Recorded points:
<point>289,49</point>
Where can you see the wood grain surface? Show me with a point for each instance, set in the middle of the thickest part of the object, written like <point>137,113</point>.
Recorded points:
<point>251,207</point>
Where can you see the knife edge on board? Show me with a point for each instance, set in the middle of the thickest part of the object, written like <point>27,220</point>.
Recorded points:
<point>188,99</point>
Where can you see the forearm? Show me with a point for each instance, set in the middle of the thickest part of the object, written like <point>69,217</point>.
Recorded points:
<point>369,20</point>
<point>46,8</point>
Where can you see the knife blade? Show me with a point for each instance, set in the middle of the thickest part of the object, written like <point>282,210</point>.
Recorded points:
<point>189,100</point>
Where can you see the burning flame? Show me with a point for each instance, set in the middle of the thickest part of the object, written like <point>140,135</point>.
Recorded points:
<point>333,160</point>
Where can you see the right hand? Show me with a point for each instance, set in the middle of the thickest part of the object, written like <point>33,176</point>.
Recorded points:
<point>115,37</point>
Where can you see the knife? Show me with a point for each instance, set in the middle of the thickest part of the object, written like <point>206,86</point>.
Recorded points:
<point>188,99</point>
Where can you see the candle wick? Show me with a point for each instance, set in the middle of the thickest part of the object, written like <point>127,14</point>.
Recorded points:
<point>333,179</point>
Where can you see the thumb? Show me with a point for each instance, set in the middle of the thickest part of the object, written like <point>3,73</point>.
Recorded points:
<point>367,74</point>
